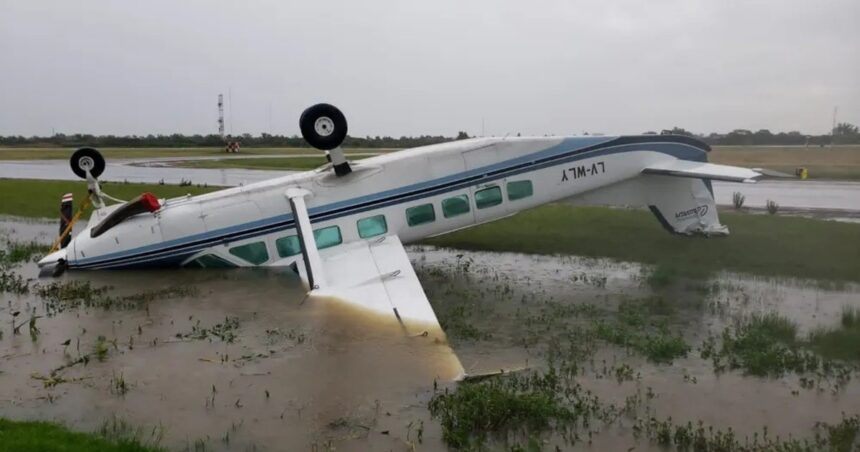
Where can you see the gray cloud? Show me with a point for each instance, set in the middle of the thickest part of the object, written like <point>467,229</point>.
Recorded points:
<point>404,68</point>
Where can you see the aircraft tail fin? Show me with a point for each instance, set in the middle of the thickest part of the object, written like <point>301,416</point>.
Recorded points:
<point>684,205</point>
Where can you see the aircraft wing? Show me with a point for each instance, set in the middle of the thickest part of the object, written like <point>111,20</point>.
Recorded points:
<point>377,277</point>
<point>702,170</point>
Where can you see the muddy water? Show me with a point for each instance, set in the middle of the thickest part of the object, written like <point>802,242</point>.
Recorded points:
<point>288,373</point>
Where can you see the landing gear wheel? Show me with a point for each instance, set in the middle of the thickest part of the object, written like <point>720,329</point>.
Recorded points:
<point>87,159</point>
<point>323,126</point>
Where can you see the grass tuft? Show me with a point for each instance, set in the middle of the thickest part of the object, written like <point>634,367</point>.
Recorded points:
<point>43,436</point>
<point>850,317</point>
<point>842,343</point>
<point>520,404</point>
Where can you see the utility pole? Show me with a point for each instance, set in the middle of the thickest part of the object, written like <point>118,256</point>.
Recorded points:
<point>270,117</point>
<point>833,130</point>
<point>221,117</point>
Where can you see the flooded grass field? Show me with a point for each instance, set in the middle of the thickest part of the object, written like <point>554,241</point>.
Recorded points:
<point>600,354</point>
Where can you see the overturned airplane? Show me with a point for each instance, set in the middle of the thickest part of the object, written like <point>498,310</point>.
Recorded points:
<point>342,226</point>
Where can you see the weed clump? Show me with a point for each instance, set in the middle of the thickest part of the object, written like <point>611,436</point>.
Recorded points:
<point>62,295</point>
<point>836,437</point>
<point>767,345</point>
<point>474,412</point>
<point>14,283</point>
<point>850,317</point>
<point>224,331</point>
<point>761,345</point>
<point>636,331</point>
<point>841,343</point>
<point>17,252</point>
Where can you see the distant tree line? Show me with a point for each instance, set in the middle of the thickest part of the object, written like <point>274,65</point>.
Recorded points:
<point>844,133</point>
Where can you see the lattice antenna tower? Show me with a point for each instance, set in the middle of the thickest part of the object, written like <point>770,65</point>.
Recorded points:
<point>221,116</point>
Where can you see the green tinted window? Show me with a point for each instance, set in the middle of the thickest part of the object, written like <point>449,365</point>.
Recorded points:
<point>457,205</point>
<point>288,246</point>
<point>420,214</point>
<point>519,189</point>
<point>254,253</point>
<point>327,237</point>
<point>488,197</point>
<point>210,261</point>
<point>372,226</point>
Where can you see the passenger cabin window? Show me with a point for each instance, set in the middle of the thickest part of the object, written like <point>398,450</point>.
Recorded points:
<point>372,226</point>
<point>210,261</point>
<point>458,205</point>
<point>288,246</point>
<point>519,189</point>
<point>420,214</point>
<point>488,197</point>
<point>254,253</point>
<point>324,238</point>
<point>327,237</point>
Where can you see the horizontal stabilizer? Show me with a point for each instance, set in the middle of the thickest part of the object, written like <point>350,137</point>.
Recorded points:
<point>702,170</point>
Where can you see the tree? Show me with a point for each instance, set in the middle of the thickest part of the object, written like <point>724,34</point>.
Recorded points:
<point>462,135</point>
<point>846,129</point>
<point>677,131</point>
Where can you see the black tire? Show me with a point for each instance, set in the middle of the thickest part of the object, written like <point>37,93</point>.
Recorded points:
<point>87,159</point>
<point>323,126</point>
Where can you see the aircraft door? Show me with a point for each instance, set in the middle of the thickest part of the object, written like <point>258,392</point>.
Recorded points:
<point>456,210</point>
<point>487,196</point>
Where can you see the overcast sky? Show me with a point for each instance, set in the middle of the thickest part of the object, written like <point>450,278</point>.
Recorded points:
<point>428,67</point>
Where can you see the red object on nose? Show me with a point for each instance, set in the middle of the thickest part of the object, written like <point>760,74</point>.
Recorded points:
<point>149,201</point>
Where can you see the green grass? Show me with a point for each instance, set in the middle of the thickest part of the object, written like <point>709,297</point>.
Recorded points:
<point>53,153</point>
<point>759,244</point>
<point>637,329</point>
<point>287,163</point>
<point>474,413</point>
<point>17,252</point>
<point>41,198</point>
<point>46,437</point>
<point>842,342</point>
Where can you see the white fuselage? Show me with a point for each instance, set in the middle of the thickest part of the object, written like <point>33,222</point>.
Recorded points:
<point>251,225</point>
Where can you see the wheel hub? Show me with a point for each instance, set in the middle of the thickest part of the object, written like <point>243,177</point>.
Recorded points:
<point>86,163</point>
<point>324,126</point>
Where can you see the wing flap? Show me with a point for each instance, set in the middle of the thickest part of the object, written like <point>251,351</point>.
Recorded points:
<point>702,170</point>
